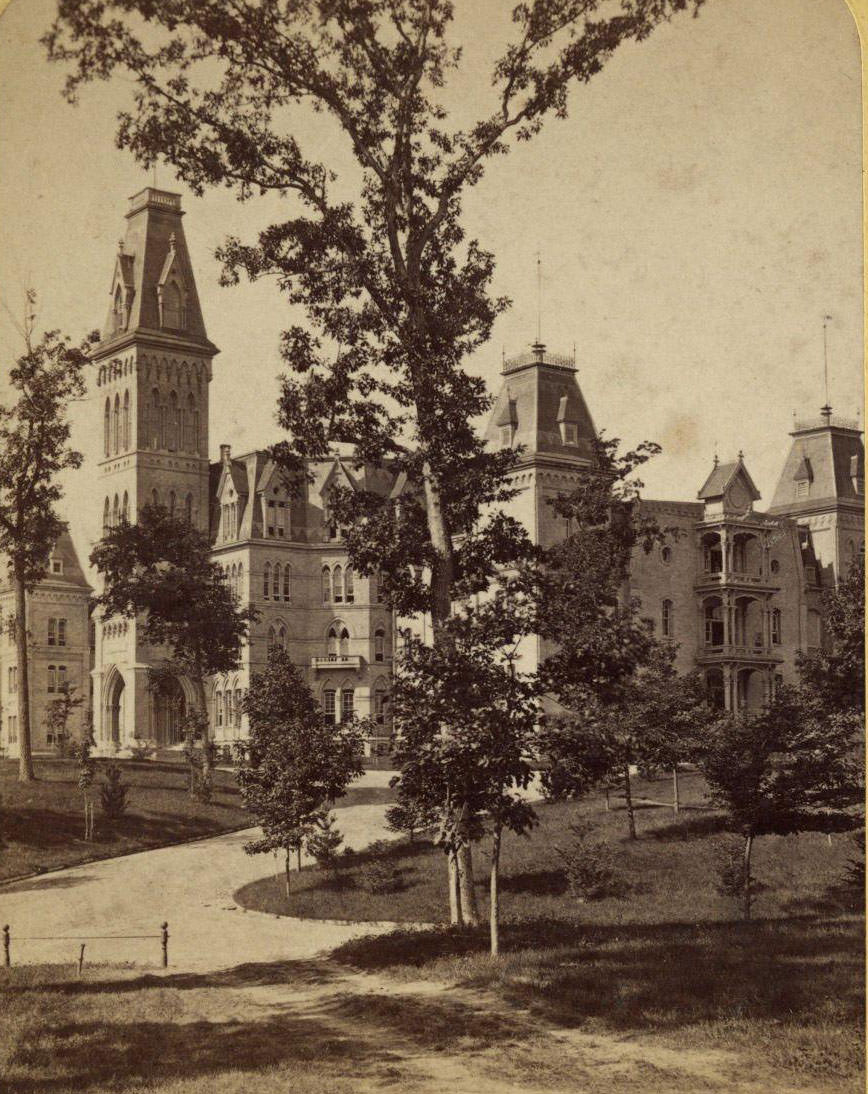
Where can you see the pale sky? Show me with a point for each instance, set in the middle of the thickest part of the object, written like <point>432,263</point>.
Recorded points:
<point>697,215</point>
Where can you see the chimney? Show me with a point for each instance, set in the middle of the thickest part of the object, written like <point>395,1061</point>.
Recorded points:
<point>225,453</point>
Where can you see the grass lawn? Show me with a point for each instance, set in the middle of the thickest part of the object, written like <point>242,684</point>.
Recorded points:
<point>41,823</point>
<point>667,959</point>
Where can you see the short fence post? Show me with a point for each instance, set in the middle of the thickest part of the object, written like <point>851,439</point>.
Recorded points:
<point>80,959</point>
<point>165,930</point>
<point>6,958</point>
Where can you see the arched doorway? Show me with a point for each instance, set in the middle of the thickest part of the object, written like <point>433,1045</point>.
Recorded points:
<point>170,711</point>
<point>114,713</point>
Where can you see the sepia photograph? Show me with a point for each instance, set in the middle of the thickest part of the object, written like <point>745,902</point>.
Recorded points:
<point>432,532</point>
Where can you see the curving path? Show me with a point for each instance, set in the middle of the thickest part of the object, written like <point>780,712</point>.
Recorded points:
<point>189,885</point>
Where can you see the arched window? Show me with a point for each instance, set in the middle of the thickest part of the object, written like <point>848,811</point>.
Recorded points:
<point>233,580</point>
<point>326,585</point>
<point>106,517</point>
<point>280,635</point>
<point>116,425</point>
<point>776,626</point>
<point>239,590</point>
<point>173,306</point>
<point>329,705</point>
<point>52,678</point>
<point>188,508</point>
<point>155,419</point>
<point>348,585</point>
<point>125,508</point>
<point>377,582</point>
<point>338,585</point>
<point>155,498</point>
<point>379,644</point>
<point>348,705</point>
<point>667,619</point>
<point>238,708</point>
<point>218,708</point>
<point>190,444</point>
<point>287,582</point>
<point>116,512</point>
<point>272,637</point>
<point>275,582</point>
<point>228,710</point>
<point>126,429</point>
<point>380,702</point>
<point>338,641</point>
<point>266,581</point>
<point>107,428</point>
<point>118,311</point>
<point>172,501</point>
<point>173,421</point>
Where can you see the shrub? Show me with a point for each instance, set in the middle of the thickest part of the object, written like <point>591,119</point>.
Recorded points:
<point>728,859</point>
<point>113,792</point>
<point>379,877</point>
<point>142,750</point>
<point>323,843</point>
<point>589,867</point>
<point>854,878</point>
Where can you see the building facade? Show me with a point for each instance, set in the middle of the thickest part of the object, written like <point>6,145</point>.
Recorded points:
<point>736,589</point>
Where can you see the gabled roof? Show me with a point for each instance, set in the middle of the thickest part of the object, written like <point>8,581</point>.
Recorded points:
<point>65,552</point>
<point>722,476</point>
<point>803,472</point>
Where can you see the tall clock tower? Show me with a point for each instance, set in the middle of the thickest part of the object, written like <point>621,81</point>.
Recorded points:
<point>151,372</point>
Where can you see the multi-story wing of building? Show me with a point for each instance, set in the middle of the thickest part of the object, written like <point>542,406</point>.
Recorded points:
<point>737,589</point>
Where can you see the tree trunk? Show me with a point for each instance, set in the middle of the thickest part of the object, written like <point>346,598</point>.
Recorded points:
<point>25,755</point>
<point>676,803</point>
<point>628,801</point>
<point>494,892</point>
<point>298,857</point>
<point>607,798</point>
<point>199,685</point>
<point>748,895</point>
<point>286,873</point>
<point>454,895</point>
<point>467,890</point>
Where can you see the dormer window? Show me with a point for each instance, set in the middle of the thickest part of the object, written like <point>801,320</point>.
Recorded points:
<point>803,488</point>
<point>569,433</point>
<point>118,323</point>
<point>506,435</point>
<point>173,310</point>
<point>56,566</point>
<point>277,522</point>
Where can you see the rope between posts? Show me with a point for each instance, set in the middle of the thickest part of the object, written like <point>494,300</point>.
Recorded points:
<point>76,937</point>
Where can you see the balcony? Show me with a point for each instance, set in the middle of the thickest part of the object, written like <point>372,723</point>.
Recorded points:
<point>333,661</point>
<point>713,578</point>
<point>737,652</point>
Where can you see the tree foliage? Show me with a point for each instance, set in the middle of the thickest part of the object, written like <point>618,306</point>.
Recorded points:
<point>786,768</point>
<point>296,761</point>
<point>34,451</point>
<point>836,675</point>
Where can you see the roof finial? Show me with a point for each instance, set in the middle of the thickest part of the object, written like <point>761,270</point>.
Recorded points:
<point>538,298</point>
<point>120,246</point>
<point>172,242</point>
<point>740,455</point>
<point>826,411</point>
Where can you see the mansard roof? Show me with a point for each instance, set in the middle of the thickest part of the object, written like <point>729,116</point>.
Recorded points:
<point>539,392</point>
<point>828,453</point>
<point>72,577</point>
<point>153,254</point>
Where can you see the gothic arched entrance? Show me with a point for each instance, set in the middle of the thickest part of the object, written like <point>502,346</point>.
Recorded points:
<point>170,711</point>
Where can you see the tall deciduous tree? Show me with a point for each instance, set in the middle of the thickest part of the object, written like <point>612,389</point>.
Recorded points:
<point>34,450</point>
<point>395,294</point>
<point>159,570</point>
<point>296,762</point>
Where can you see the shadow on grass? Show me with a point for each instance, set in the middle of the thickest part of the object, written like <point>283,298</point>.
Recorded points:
<point>659,977</point>
<point>692,827</point>
<point>538,882</point>
<point>107,1056</point>
<point>47,883</point>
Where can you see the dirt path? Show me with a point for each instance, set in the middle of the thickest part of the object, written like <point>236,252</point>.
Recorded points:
<point>431,1038</point>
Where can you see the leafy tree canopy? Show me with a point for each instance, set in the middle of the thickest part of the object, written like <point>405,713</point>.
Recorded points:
<point>836,675</point>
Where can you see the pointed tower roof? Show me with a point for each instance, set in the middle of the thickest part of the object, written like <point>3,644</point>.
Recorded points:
<point>153,290</point>
<point>824,468</point>
<point>723,476</point>
<point>542,405</point>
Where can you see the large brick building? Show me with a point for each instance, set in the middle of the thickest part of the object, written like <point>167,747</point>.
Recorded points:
<point>738,590</point>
